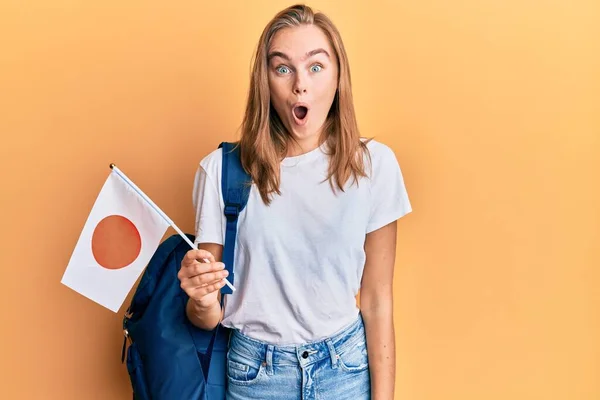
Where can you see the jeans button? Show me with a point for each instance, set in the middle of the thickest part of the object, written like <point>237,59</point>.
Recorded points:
<point>305,354</point>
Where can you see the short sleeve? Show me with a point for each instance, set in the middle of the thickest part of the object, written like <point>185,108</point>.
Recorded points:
<point>389,198</point>
<point>207,206</point>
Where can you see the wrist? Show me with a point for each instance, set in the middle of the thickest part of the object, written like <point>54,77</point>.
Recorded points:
<point>200,307</point>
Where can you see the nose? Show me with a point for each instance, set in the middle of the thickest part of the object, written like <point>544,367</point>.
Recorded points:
<point>300,85</point>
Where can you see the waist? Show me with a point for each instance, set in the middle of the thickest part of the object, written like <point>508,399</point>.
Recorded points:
<point>301,354</point>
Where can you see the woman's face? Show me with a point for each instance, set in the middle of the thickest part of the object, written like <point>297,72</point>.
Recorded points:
<point>303,78</point>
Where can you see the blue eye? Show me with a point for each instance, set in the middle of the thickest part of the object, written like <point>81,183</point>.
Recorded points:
<point>316,68</point>
<point>282,69</point>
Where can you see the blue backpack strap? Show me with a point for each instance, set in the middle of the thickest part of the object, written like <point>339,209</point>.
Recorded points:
<point>235,188</point>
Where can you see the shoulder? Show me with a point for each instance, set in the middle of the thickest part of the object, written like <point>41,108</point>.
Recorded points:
<point>211,163</point>
<point>379,149</point>
<point>207,177</point>
<point>208,170</point>
<point>380,156</point>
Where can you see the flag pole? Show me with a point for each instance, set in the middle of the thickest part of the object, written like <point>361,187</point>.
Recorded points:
<point>160,212</point>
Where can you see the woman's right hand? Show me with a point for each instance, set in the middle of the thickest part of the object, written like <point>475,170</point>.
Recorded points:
<point>201,281</point>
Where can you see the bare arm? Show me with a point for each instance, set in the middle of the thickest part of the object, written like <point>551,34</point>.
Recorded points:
<point>376,303</point>
<point>203,308</point>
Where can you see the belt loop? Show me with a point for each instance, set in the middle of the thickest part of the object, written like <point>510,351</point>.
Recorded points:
<point>269,359</point>
<point>332,354</point>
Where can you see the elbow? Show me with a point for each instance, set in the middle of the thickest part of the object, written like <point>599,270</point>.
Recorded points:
<point>377,303</point>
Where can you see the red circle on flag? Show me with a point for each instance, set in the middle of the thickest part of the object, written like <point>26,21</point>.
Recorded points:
<point>116,242</point>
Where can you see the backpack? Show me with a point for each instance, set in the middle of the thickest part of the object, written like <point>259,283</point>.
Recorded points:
<point>168,357</point>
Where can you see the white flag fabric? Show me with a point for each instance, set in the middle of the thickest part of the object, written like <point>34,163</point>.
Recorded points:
<point>120,236</point>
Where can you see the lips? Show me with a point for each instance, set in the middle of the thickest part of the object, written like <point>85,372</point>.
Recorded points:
<point>300,113</point>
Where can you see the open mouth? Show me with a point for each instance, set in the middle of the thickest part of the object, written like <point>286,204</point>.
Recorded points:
<point>300,112</point>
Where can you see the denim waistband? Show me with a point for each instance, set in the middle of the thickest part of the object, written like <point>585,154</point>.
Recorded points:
<point>304,354</point>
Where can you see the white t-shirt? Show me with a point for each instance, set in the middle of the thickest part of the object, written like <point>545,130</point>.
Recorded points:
<point>299,261</point>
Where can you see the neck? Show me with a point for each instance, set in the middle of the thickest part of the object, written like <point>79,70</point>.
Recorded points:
<point>297,147</point>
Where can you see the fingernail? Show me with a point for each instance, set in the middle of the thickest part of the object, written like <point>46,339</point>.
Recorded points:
<point>225,273</point>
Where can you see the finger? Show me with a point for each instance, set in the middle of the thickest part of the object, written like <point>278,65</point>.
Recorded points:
<point>199,280</point>
<point>198,255</point>
<point>207,278</point>
<point>205,255</point>
<point>196,268</point>
<point>210,288</point>
<point>203,268</point>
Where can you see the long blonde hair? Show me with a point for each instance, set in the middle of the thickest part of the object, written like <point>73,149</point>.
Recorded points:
<point>264,139</point>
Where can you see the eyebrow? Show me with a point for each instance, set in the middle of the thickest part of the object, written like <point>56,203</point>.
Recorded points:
<point>311,53</point>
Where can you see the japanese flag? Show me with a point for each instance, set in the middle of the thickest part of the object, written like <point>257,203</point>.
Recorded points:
<point>118,239</point>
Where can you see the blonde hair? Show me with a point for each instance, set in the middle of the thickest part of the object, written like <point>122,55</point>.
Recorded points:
<point>264,139</point>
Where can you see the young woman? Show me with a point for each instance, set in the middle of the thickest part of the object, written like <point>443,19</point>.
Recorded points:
<point>320,225</point>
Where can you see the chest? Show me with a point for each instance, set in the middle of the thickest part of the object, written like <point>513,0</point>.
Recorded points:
<point>307,215</point>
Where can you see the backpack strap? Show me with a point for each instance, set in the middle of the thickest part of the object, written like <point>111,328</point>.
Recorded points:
<point>235,188</point>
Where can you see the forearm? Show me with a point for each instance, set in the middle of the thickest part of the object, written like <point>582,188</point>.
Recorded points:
<point>203,318</point>
<point>381,347</point>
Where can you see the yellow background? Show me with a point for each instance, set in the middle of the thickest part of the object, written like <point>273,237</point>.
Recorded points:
<point>492,108</point>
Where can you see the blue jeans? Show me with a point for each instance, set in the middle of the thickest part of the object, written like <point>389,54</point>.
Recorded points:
<point>334,368</point>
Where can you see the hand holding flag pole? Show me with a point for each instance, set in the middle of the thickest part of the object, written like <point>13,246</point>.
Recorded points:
<point>160,212</point>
